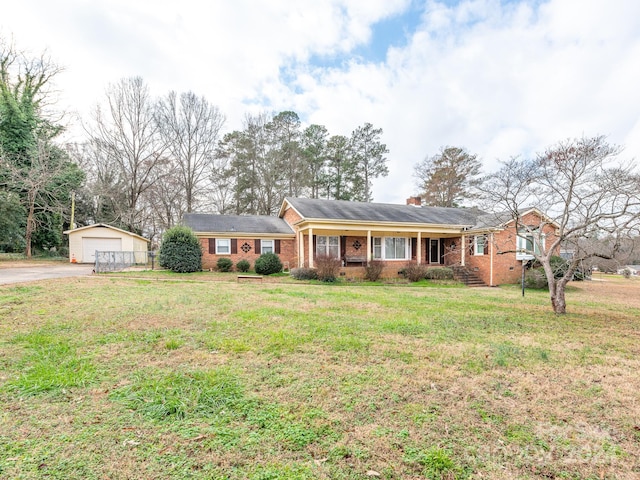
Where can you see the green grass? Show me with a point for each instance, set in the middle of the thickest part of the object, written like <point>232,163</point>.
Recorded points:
<point>111,377</point>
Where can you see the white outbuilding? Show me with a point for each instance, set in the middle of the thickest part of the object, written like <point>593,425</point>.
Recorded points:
<point>85,241</point>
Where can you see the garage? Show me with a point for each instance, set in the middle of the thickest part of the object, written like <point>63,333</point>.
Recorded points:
<point>84,241</point>
<point>91,245</point>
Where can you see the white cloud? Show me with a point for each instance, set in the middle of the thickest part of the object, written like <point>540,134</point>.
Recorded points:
<point>500,78</point>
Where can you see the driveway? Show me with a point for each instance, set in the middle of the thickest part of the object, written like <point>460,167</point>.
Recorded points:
<point>30,273</point>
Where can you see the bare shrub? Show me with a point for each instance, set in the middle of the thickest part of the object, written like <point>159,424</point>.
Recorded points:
<point>439,273</point>
<point>414,272</point>
<point>304,273</point>
<point>373,270</point>
<point>328,268</point>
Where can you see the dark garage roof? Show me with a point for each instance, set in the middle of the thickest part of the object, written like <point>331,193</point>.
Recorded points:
<point>201,222</point>
<point>382,212</point>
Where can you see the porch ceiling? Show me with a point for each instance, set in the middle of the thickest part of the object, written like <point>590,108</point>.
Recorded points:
<point>381,229</point>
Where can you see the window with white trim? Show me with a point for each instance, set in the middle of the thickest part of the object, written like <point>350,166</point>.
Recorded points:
<point>528,243</point>
<point>328,245</point>
<point>223,246</point>
<point>391,248</point>
<point>480,245</point>
<point>266,246</point>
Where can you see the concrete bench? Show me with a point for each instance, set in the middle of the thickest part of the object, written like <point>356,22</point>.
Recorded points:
<point>249,277</point>
<point>353,259</point>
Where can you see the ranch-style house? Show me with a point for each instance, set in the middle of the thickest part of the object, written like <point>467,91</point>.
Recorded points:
<point>482,248</point>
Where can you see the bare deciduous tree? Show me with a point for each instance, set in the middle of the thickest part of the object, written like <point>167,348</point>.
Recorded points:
<point>126,133</point>
<point>190,127</point>
<point>586,192</point>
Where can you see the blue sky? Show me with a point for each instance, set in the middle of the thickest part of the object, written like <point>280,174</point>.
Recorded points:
<point>499,78</point>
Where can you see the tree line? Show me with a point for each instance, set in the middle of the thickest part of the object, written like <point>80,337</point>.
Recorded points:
<point>146,160</point>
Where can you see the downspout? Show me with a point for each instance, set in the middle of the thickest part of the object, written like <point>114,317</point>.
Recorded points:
<point>491,260</point>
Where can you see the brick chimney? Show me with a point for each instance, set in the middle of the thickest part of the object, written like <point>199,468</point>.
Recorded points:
<point>416,201</point>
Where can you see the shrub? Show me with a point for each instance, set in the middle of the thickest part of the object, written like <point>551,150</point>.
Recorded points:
<point>243,265</point>
<point>328,268</point>
<point>304,273</point>
<point>373,270</point>
<point>414,272</point>
<point>626,273</point>
<point>224,264</point>
<point>535,278</point>
<point>180,250</point>
<point>268,263</point>
<point>439,273</point>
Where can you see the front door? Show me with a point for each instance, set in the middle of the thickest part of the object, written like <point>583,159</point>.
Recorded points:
<point>434,250</point>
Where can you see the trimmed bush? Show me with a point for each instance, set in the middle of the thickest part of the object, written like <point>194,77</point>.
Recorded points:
<point>180,251</point>
<point>268,263</point>
<point>243,266</point>
<point>439,273</point>
<point>328,268</point>
<point>414,272</point>
<point>373,271</point>
<point>304,273</point>
<point>224,264</point>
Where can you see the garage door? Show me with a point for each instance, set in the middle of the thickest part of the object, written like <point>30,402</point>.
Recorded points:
<point>90,245</point>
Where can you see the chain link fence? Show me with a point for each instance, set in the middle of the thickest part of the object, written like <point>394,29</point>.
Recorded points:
<point>118,261</point>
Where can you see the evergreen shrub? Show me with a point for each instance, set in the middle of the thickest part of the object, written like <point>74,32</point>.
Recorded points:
<point>180,251</point>
<point>224,264</point>
<point>267,264</point>
<point>243,266</point>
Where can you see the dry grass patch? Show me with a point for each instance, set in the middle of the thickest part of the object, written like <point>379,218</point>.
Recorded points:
<point>202,379</point>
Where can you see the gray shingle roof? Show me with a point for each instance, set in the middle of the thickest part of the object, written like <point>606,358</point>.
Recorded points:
<point>201,222</point>
<point>382,212</point>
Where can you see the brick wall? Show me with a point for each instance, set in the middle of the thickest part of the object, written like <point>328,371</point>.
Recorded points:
<point>210,260</point>
<point>506,269</point>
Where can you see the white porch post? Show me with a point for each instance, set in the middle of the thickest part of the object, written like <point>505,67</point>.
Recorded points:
<point>419,247</point>
<point>368,246</point>
<point>300,249</point>
<point>463,247</point>
<point>311,248</point>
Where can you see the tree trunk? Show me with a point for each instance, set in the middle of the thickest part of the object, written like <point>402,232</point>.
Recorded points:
<point>556,292</point>
<point>30,224</point>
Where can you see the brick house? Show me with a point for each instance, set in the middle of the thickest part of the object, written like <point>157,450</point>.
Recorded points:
<point>487,247</point>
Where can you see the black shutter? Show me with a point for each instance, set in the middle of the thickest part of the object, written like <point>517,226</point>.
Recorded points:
<point>276,244</point>
<point>442,251</point>
<point>257,246</point>
<point>414,249</point>
<point>428,250</point>
<point>234,246</point>
<point>343,246</point>
<point>212,246</point>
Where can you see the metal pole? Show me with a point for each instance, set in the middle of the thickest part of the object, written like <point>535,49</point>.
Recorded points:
<point>523,278</point>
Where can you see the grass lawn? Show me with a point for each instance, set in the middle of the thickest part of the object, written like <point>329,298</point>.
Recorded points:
<point>126,378</point>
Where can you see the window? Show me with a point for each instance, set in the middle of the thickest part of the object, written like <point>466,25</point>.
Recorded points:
<point>328,245</point>
<point>480,245</point>
<point>223,246</point>
<point>266,246</point>
<point>529,242</point>
<point>390,248</point>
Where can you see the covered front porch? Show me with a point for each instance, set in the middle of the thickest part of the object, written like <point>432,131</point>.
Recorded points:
<point>394,245</point>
